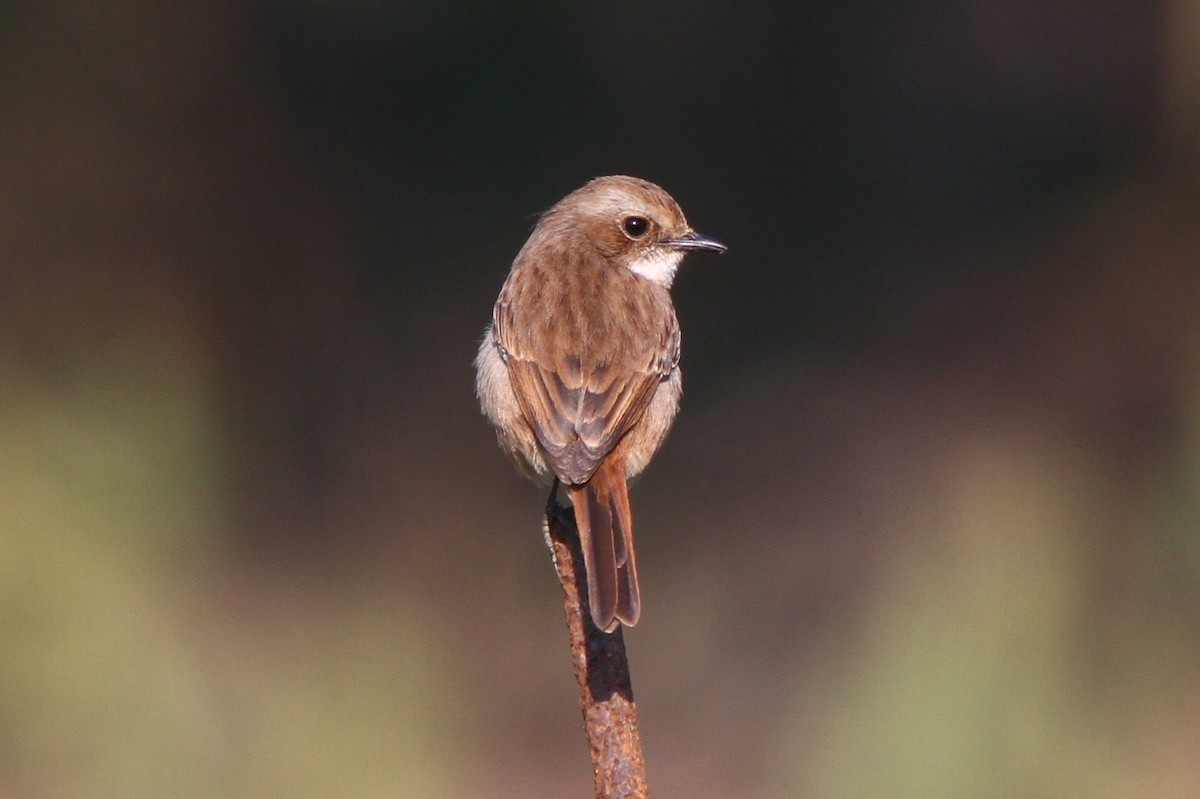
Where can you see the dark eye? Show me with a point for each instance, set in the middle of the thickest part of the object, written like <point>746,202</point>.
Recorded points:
<point>635,226</point>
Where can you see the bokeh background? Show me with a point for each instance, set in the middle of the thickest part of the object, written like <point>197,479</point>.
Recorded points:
<point>928,525</point>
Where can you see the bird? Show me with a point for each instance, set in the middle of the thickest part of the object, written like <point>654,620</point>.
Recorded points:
<point>578,371</point>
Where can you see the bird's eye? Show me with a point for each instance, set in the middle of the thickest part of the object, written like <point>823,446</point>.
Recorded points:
<point>635,226</point>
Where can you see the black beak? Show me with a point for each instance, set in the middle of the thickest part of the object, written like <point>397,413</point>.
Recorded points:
<point>694,241</point>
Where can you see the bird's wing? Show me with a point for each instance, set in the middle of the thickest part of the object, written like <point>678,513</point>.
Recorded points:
<point>580,404</point>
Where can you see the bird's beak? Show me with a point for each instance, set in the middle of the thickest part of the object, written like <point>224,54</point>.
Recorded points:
<point>694,241</point>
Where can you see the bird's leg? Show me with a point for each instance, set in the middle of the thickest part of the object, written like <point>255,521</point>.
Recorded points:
<point>552,505</point>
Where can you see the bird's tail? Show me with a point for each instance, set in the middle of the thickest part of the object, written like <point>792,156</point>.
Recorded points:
<point>606,535</point>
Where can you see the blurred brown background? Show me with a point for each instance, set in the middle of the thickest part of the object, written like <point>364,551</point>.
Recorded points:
<point>928,525</point>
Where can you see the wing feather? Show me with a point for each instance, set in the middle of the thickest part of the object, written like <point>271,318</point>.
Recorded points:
<point>581,400</point>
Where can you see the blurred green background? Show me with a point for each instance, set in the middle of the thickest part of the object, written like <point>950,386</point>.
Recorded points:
<point>928,525</point>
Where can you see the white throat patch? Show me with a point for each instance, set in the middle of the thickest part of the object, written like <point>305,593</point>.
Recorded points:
<point>658,265</point>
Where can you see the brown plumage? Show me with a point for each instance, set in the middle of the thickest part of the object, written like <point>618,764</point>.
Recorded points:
<point>579,371</point>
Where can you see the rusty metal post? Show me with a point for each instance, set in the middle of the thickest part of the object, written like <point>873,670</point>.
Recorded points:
<point>602,671</point>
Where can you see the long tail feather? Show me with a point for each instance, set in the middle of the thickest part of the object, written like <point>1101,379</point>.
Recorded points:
<point>606,534</point>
